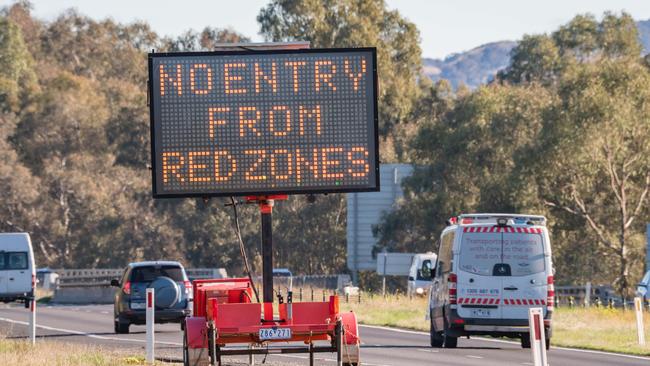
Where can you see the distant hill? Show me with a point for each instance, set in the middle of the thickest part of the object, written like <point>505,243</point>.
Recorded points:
<point>479,65</point>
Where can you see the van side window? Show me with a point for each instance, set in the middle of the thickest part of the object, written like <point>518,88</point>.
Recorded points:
<point>13,260</point>
<point>444,254</point>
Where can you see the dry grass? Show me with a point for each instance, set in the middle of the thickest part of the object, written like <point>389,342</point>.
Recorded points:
<point>612,330</point>
<point>600,329</point>
<point>394,311</point>
<point>21,352</point>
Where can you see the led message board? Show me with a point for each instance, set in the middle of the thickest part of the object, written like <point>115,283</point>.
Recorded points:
<point>263,122</point>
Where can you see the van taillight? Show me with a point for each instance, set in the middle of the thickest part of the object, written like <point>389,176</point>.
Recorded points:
<point>550,294</point>
<point>127,288</point>
<point>451,285</point>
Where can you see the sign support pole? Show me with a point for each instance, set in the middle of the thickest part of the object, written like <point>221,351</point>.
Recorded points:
<point>266,212</point>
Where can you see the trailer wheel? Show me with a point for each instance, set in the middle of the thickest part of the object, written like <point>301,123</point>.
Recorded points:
<point>186,353</point>
<point>350,352</point>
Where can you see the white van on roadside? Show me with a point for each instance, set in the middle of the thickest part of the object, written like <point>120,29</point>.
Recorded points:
<point>421,274</point>
<point>17,270</point>
<point>491,269</point>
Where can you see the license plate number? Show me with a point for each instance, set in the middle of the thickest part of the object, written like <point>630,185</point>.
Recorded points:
<point>138,305</point>
<point>481,313</point>
<point>275,333</point>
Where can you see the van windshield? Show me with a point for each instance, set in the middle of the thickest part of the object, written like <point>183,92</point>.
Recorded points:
<point>481,252</point>
<point>13,260</point>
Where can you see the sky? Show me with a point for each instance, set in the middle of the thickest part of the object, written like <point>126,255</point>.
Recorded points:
<point>446,27</point>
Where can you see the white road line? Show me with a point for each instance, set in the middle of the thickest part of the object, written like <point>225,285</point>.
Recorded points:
<point>553,348</point>
<point>89,335</point>
<point>472,356</point>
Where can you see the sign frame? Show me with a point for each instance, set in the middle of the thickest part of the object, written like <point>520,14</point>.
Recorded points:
<point>270,191</point>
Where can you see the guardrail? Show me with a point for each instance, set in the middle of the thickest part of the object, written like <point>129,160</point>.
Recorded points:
<point>92,286</point>
<point>103,277</point>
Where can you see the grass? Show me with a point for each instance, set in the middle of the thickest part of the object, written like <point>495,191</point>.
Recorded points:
<point>603,329</point>
<point>21,352</point>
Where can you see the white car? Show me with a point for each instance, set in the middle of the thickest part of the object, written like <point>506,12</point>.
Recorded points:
<point>17,270</point>
<point>421,274</point>
<point>491,269</point>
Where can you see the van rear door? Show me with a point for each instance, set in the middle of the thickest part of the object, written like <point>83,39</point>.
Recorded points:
<point>525,286</point>
<point>18,273</point>
<point>479,292</point>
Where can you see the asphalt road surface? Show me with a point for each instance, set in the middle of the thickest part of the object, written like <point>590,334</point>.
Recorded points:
<point>381,346</point>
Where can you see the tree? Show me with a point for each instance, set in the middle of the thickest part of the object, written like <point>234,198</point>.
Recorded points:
<point>17,79</point>
<point>602,125</point>
<point>563,132</point>
<point>358,23</point>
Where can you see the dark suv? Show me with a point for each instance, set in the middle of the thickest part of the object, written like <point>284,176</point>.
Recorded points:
<point>173,294</point>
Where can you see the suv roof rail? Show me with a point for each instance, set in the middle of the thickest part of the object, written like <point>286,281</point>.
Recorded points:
<point>485,217</point>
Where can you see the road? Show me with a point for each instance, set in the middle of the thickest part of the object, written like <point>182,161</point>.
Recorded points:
<point>381,346</point>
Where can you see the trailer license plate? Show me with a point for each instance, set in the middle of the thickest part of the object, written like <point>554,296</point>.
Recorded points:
<point>481,313</point>
<point>275,333</point>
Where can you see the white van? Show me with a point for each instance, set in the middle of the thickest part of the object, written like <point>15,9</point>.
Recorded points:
<point>17,270</point>
<point>491,269</point>
<point>421,273</point>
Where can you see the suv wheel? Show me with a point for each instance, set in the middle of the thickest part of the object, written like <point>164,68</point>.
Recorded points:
<point>450,342</point>
<point>436,337</point>
<point>121,328</point>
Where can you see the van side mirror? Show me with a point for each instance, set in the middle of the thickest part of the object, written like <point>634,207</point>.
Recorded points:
<point>115,283</point>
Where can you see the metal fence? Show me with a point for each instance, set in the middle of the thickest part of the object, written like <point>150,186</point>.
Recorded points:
<point>103,277</point>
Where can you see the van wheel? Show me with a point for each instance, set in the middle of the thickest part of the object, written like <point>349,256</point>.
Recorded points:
<point>525,341</point>
<point>450,342</point>
<point>121,328</point>
<point>436,337</point>
<point>27,303</point>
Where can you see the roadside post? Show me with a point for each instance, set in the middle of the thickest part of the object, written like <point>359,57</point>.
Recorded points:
<point>149,358</point>
<point>638,307</point>
<point>537,336</point>
<point>32,321</point>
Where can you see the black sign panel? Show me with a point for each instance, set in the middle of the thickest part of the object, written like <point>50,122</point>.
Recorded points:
<point>263,122</point>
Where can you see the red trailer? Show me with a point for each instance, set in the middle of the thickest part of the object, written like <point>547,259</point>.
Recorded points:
<point>227,322</point>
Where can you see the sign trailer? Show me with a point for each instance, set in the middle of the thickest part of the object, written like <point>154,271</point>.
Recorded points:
<point>264,123</point>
